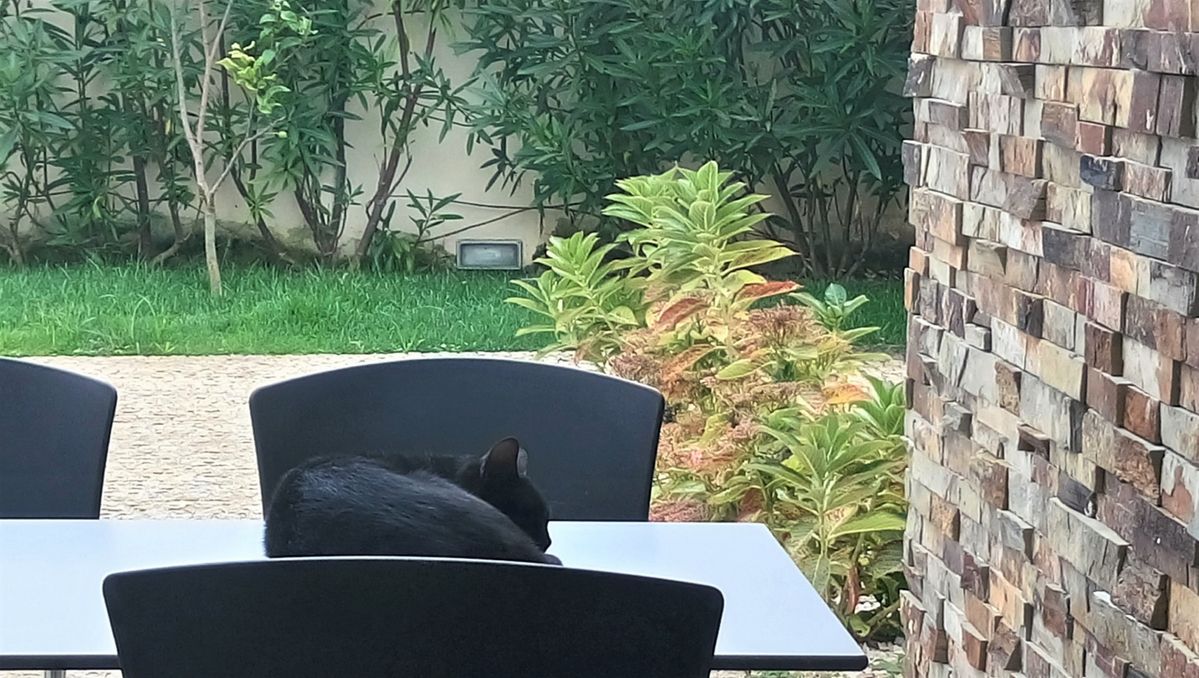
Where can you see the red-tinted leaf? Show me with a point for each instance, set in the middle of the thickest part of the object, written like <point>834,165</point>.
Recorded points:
<point>768,289</point>
<point>679,311</point>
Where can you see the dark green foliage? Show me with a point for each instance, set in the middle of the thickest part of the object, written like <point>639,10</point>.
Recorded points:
<point>799,97</point>
<point>93,149</point>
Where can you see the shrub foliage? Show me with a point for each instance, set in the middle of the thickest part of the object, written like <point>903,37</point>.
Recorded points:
<point>769,419</point>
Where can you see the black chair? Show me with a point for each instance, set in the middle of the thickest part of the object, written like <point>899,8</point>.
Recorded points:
<point>54,431</point>
<point>592,439</point>
<point>408,617</point>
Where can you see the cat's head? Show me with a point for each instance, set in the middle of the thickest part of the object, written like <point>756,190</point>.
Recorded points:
<point>506,486</point>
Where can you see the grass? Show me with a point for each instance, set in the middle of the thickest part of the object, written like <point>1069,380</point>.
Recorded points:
<point>134,310</point>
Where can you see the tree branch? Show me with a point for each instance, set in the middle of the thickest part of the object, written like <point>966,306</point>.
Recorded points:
<point>250,138</point>
<point>211,48</point>
<point>177,57</point>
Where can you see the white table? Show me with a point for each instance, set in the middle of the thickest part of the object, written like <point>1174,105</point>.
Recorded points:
<point>52,613</point>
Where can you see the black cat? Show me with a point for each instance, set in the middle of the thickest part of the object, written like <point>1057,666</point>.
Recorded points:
<point>463,507</point>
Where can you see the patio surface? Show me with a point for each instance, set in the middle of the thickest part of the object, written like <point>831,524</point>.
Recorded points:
<point>182,446</point>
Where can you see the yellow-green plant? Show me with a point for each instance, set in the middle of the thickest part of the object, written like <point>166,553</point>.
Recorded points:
<point>692,228</point>
<point>686,314</point>
<point>836,492</point>
<point>584,299</point>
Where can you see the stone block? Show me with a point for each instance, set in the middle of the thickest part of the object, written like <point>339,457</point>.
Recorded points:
<point>1105,174</point>
<point>987,43</point>
<point>920,74</point>
<point>947,172</point>
<point>1151,183</point>
<point>1020,155</point>
<point>1103,304</point>
<point>998,113</point>
<point>1060,164</point>
<point>1184,614</point>
<point>1158,538</point>
<point>1171,286</point>
<point>913,163</point>
<point>1105,394</point>
<point>1141,592</point>
<point>1141,415</point>
<point>1180,431</point>
<point>1049,84</point>
<point>1112,214</point>
<point>1168,15</point>
<point>986,258</point>
<point>1017,195</point>
<point>1060,325</point>
<point>1099,92</point>
<point>1184,240</point>
<point>1058,368</point>
<point>1155,326</point>
<point>1007,387</point>
<point>945,35</point>
<point>1142,148</point>
<point>938,214</point>
<point>1092,137</point>
<point>1070,207</point>
<point>1136,103</point>
<point>1126,636</point>
<point>1178,661</point>
<point>1174,155</point>
<point>1088,544</point>
<point>1054,12</point>
<point>1149,370</point>
<point>1180,490</point>
<point>1176,107</point>
<point>1133,460</point>
<point>1098,46</point>
<point>1104,349</point>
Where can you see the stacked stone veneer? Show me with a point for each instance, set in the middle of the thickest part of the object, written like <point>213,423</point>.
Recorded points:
<point>1053,351</point>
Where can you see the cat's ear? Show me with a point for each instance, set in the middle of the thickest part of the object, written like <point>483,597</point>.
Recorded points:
<point>506,460</point>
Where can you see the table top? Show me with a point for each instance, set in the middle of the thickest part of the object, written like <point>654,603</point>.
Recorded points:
<point>54,615</point>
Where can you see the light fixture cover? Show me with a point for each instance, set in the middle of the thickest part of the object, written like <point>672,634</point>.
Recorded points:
<point>500,255</point>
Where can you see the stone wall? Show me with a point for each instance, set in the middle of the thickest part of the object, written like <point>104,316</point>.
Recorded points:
<point>1053,351</point>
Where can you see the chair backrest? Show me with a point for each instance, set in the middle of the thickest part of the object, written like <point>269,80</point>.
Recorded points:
<point>592,439</point>
<point>54,431</point>
<point>408,617</point>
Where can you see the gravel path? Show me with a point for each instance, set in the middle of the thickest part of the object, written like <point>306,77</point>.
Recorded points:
<point>182,445</point>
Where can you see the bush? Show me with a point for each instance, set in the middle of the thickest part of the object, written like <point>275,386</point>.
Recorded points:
<point>799,97</point>
<point>93,148</point>
<point>765,422</point>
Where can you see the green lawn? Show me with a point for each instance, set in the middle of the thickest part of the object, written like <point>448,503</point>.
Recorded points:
<point>133,310</point>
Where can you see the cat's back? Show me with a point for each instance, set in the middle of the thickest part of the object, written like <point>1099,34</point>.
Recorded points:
<point>372,506</point>
<point>452,468</point>
<point>349,485</point>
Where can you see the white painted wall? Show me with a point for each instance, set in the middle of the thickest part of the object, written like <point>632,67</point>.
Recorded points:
<point>442,167</point>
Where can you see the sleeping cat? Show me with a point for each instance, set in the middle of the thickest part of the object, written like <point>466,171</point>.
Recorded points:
<point>463,507</point>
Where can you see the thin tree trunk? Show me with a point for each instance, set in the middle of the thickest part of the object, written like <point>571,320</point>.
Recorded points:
<point>145,239</point>
<point>273,249</point>
<point>15,256</point>
<point>210,245</point>
<point>181,236</point>
<point>210,256</point>
<point>387,179</point>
